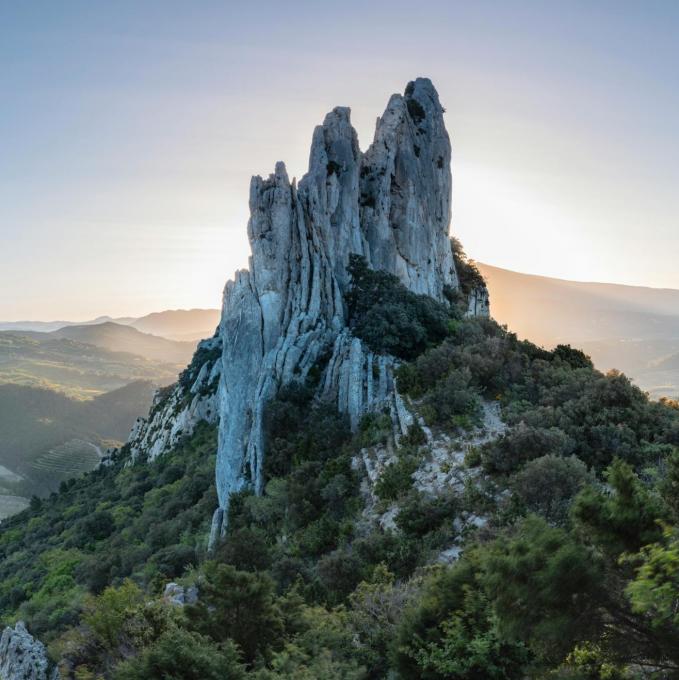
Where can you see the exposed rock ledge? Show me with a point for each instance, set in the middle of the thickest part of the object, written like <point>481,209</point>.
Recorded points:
<point>22,657</point>
<point>177,410</point>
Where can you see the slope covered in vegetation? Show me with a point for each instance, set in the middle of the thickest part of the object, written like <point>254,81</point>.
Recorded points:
<point>568,569</point>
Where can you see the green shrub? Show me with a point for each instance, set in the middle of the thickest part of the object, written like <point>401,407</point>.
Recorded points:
<point>396,478</point>
<point>468,274</point>
<point>415,436</point>
<point>374,429</point>
<point>239,606</point>
<point>420,514</point>
<point>524,443</point>
<point>182,654</point>
<point>547,485</point>
<point>388,317</point>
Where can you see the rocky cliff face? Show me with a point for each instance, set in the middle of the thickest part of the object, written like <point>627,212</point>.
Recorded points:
<point>177,410</point>
<point>286,314</point>
<point>22,657</point>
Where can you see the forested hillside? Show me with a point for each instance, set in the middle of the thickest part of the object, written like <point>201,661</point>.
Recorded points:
<point>540,544</point>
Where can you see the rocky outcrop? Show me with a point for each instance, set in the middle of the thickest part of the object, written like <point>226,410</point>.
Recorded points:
<point>177,410</point>
<point>406,190</point>
<point>22,657</point>
<point>286,313</point>
<point>442,471</point>
<point>478,301</point>
<point>177,596</point>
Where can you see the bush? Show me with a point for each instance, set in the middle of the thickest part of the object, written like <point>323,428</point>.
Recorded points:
<point>546,588</point>
<point>468,274</point>
<point>547,485</point>
<point>239,606</point>
<point>522,444</point>
<point>574,357</point>
<point>297,430</point>
<point>374,429</point>
<point>450,631</point>
<point>181,654</point>
<point>106,614</point>
<point>396,478</point>
<point>421,514</point>
<point>453,402</point>
<point>247,549</point>
<point>388,317</point>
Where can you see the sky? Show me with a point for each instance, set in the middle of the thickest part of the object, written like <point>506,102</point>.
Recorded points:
<point>129,131</point>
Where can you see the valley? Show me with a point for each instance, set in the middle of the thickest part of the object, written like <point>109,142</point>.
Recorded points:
<point>68,392</point>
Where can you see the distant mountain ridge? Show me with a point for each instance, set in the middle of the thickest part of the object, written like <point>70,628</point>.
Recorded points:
<point>50,326</point>
<point>174,324</point>
<point>180,324</point>
<point>119,338</point>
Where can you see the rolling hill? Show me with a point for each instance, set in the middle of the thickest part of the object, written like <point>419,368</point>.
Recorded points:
<point>631,328</point>
<point>68,394</point>
<point>119,338</point>
<point>180,324</point>
<point>74,368</point>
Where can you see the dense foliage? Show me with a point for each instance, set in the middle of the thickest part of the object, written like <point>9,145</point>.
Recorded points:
<point>570,568</point>
<point>148,522</point>
<point>468,274</point>
<point>388,317</point>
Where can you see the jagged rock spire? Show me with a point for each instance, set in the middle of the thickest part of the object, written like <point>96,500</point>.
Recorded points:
<point>284,313</point>
<point>406,191</point>
<point>392,205</point>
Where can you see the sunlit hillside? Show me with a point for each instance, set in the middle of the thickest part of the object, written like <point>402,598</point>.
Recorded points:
<point>633,329</point>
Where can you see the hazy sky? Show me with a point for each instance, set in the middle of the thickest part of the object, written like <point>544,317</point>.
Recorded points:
<point>129,132</point>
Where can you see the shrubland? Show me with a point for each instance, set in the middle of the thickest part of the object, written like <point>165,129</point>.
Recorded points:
<point>574,572</point>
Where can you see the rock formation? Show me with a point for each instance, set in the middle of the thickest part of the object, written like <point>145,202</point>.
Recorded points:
<point>177,410</point>
<point>286,313</point>
<point>22,657</point>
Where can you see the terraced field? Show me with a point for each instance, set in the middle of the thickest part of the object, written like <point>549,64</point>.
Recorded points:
<point>67,460</point>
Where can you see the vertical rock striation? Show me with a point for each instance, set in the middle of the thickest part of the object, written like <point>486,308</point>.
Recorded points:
<point>406,192</point>
<point>286,313</point>
<point>176,410</point>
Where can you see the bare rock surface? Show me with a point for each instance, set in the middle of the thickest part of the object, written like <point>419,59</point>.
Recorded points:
<point>442,470</point>
<point>22,657</point>
<point>177,410</point>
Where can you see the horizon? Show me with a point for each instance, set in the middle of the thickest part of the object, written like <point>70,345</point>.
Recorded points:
<point>130,135</point>
<point>104,318</point>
